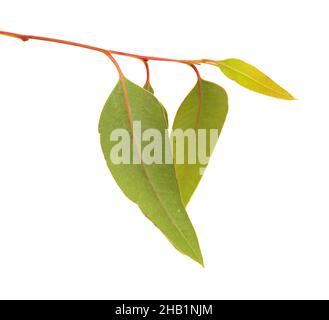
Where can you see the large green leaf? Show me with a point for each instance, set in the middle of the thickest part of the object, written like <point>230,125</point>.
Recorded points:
<point>205,107</point>
<point>250,77</point>
<point>152,186</point>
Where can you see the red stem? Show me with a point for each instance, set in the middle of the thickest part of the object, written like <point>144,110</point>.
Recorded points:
<point>110,53</point>
<point>148,84</point>
<point>197,122</point>
<point>145,58</point>
<point>124,89</point>
<point>76,44</point>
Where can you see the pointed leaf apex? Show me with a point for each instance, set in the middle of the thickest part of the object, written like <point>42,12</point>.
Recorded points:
<point>252,78</point>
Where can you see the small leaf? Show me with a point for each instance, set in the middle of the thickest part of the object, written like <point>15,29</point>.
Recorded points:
<point>152,186</point>
<point>205,107</point>
<point>250,77</point>
<point>148,87</point>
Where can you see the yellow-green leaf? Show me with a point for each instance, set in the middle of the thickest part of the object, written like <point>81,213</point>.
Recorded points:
<point>250,77</point>
<point>153,186</point>
<point>204,109</point>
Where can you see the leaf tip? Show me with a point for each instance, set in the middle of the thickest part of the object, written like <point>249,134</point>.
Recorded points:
<point>252,78</point>
<point>286,95</point>
<point>292,97</point>
<point>199,259</point>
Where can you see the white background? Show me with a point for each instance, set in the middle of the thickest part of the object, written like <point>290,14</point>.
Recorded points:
<point>261,210</point>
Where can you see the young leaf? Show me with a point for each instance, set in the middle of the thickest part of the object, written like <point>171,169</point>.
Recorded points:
<point>250,77</point>
<point>152,186</point>
<point>148,87</point>
<point>205,107</point>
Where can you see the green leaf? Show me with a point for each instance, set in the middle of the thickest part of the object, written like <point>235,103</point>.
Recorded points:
<point>152,186</point>
<point>205,107</point>
<point>148,87</point>
<point>250,77</point>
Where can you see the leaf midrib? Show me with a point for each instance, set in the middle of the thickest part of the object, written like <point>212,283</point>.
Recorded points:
<point>251,78</point>
<point>148,177</point>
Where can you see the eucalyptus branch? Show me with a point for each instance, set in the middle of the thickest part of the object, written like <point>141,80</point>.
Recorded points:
<point>163,187</point>
<point>24,37</point>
